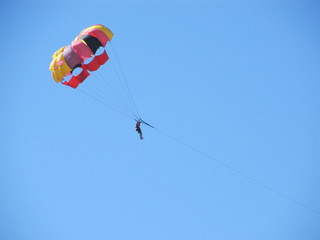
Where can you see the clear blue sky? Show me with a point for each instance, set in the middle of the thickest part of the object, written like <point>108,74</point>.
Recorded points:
<point>237,81</point>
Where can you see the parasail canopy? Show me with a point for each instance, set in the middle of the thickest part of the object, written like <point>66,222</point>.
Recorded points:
<point>77,55</point>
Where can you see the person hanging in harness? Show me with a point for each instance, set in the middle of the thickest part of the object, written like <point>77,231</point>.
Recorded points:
<point>138,129</point>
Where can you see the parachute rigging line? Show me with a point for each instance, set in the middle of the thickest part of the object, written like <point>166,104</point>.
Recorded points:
<point>105,104</point>
<point>123,77</point>
<point>107,89</point>
<point>112,88</point>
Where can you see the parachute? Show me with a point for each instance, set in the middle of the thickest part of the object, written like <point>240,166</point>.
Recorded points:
<point>73,64</point>
<point>84,46</point>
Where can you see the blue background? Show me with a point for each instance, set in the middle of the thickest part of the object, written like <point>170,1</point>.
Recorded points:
<point>232,88</point>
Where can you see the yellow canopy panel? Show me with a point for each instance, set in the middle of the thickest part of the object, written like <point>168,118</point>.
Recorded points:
<point>59,67</point>
<point>100,27</point>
